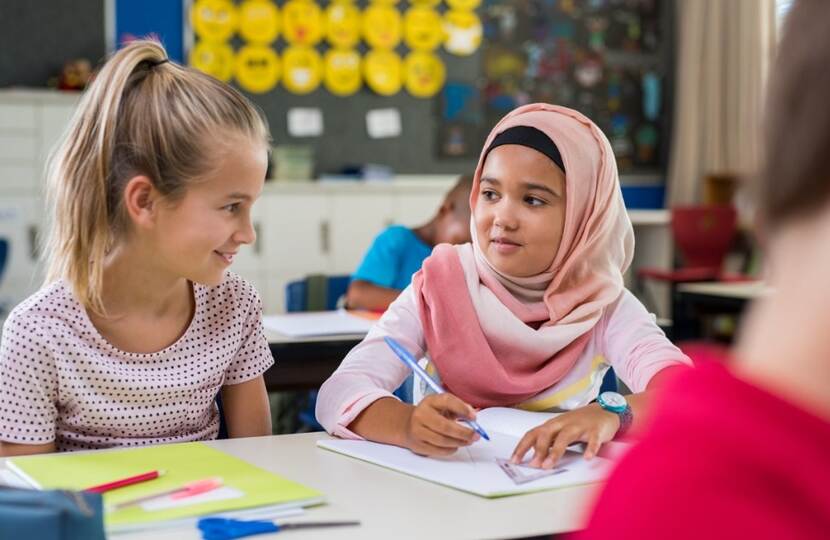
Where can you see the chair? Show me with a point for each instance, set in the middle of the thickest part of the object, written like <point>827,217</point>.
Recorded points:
<point>316,292</point>
<point>702,236</point>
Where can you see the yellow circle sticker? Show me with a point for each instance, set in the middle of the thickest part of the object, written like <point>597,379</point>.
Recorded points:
<point>342,72</point>
<point>302,69</point>
<point>257,68</point>
<point>259,21</point>
<point>382,71</point>
<point>463,32</point>
<point>463,4</point>
<point>422,29</point>
<point>213,20</point>
<point>302,22</point>
<point>215,59</point>
<point>343,24</point>
<point>381,26</point>
<point>424,74</point>
<point>384,2</point>
<point>427,3</point>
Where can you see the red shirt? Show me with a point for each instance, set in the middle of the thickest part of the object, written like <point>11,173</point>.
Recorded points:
<point>722,459</point>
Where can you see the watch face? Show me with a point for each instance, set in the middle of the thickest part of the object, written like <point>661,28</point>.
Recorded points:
<point>613,399</point>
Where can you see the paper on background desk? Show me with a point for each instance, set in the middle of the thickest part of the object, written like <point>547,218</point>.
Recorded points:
<point>317,323</point>
<point>474,469</point>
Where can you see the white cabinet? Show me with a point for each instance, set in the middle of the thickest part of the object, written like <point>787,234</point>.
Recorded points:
<point>20,272</point>
<point>355,221</point>
<point>303,228</point>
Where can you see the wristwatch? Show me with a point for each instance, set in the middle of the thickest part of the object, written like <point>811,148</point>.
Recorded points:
<point>616,403</point>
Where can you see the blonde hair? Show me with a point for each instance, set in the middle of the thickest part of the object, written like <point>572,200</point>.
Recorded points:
<point>142,115</point>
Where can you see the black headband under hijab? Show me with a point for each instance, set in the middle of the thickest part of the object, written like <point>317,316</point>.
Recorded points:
<point>530,137</point>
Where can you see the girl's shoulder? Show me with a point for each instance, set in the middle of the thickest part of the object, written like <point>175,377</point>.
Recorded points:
<point>53,301</point>
<point>234,293</point>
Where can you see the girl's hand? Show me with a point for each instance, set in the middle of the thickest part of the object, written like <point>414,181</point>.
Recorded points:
<point>590,424</point>
<point>432,429</point>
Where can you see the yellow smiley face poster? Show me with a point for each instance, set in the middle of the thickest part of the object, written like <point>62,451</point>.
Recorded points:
<point>342,24</point>
<point>342,72</point>
<point>382,71</point>
<point>424,74</point>
<point>257,68</point>
<point>381,26</point>
<point>302,22</point>
<point>463,32</point>
<point>302,69</point>
<point>215,59</point>
<point>259,21</point>
<point>422,28</point>
<point>467,5</point>
<point>213,20</point>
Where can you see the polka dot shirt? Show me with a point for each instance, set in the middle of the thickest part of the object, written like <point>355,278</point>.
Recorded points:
<point>61,381</point>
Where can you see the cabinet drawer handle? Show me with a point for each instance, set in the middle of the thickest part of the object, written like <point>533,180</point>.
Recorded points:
<point>325,234</point>
<point>258,241</point>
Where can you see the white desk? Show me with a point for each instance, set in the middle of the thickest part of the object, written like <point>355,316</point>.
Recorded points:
<point>749,290</point>
<point>391,505</point>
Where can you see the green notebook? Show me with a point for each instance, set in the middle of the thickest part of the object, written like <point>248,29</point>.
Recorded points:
<point>182,463</point>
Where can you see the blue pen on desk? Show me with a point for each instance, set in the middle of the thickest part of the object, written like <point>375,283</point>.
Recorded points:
<point>410,361</point>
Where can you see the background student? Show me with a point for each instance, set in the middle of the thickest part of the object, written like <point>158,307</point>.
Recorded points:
<point>140,325</point>
<point>398,252</point>
<point>742,452</point>
<point>531,314</point>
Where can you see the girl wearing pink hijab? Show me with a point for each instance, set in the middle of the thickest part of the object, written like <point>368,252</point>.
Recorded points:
<point>531,314</point>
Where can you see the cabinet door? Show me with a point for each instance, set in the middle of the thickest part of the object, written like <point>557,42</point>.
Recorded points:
<point>412,210</point>
<point>21,273</point>
<point>295,233</point>
<point>54,120</point>
<point>356,220</point>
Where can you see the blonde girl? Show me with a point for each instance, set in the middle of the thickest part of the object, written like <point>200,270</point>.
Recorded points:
<point>140,325</point>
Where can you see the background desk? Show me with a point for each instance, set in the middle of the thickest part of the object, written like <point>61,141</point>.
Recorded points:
<point>696,300</point>
<point>391,505</point>
<point>305,363</point>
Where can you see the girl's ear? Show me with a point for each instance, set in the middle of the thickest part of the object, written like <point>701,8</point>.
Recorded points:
<point>141,200</point>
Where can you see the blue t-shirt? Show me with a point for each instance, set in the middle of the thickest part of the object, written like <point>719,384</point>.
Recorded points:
<point>395,255</point>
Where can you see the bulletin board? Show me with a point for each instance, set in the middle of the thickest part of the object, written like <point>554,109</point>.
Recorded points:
<point>610,59</point>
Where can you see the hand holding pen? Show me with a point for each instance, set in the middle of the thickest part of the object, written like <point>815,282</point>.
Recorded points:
<point>432,427</point>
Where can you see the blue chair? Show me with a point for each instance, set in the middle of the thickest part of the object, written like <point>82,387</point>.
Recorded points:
<point>315,292</point>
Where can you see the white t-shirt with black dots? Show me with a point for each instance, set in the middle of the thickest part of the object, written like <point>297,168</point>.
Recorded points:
<point>61,381</point>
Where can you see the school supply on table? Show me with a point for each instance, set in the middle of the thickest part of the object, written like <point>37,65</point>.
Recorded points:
<point>318,323</point>
<point>124,482</point>
<point>475,468</point>
<point>226,529</point>
<point>245,486</point>
<point>407,358</point>
<point>522,474</point>
<point>182,492</point>
<point>64,515</point>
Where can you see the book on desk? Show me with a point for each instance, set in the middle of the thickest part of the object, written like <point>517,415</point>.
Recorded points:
<point>245,487</point>
<point>475,469</point>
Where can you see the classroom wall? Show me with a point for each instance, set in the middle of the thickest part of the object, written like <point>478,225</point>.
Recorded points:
<point>37,37</point>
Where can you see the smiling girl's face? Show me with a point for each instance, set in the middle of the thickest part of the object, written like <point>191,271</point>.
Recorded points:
<point>520,212</point>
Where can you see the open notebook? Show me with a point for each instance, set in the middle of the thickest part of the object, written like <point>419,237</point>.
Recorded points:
<point>475,469</point>
<point>320,323</point>
<point>245,487</point>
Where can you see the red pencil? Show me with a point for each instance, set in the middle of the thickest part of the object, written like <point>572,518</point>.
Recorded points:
<point>101,488</point>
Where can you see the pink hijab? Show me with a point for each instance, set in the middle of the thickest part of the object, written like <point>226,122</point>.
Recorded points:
<point>498,340</point>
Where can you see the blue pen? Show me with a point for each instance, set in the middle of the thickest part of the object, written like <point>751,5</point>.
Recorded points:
<point>410,361</point>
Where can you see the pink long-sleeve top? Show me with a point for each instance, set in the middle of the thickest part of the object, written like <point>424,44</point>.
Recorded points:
<point>626,338</point>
